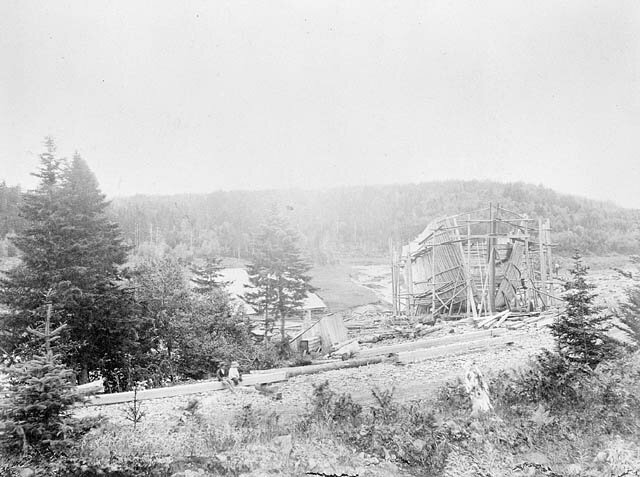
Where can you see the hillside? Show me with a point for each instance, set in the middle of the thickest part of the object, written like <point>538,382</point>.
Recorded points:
<point>355,220</point>
<point>360,220</point>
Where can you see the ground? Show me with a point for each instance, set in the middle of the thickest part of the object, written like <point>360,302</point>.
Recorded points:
<point>253,434</point>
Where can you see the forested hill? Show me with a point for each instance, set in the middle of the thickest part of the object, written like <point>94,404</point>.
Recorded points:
<point>360,220</point>
<point>353,220</point>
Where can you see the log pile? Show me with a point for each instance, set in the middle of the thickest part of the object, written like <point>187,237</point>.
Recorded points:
<point>514,321</point>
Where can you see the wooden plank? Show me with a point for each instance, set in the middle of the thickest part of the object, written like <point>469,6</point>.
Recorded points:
<point>184,389</point>
<point>486,321</point>
<point>501,320</point>
<point>452,349</point>
<point>431,343</point>
<point>492,261</point>
<point>543,266</point>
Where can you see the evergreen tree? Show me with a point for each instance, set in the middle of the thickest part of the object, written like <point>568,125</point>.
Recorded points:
<point>581,331</point>
<point>278,274</point>
<point>630,316</point>
<point>71,248</point>
<point>24,287</point>
<point>207,278</point>
<point>35,411</point>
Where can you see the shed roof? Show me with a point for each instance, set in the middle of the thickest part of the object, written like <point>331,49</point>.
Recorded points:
<point>238,282</point>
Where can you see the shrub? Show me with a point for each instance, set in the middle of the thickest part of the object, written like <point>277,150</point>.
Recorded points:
<point>35,411</point>
<point>452,398</point>
<point>551,379</point>
<point>630,316</point>
<point>406,433</point>
<point>581,331</point>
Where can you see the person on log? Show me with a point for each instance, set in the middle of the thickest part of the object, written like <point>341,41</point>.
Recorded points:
<point>222,372</point>
<point>229,375</point>
<point>234,374</point>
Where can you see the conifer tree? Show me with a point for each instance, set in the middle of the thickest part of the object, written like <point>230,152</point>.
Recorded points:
<point>581,331</point>
<point>71,248</point>
<point>278,273</point>
<point>24,287</point>
<point>630,316</point>
<point>35,411</point>
<point>207,278</point>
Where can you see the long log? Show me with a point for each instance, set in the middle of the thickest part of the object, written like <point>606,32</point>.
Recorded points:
<point>184,389</point>
<point>452,349</point>
<point>349,363</point>
<point>430,343</point>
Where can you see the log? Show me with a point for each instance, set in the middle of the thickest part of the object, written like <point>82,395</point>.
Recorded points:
<point>319,368</point>
<point>516,326</point>
<point>501,320</point>
<point>184,389</point>
<point>415,356</point>
<point>348,348</point>
<point>94,387</point>
<point>431,342</point>
<point>485,322</point>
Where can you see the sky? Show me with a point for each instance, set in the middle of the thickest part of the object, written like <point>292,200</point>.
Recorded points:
<point>165,97</point>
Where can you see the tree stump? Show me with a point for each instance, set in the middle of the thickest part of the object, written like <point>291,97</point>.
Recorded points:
<point>478,391</point>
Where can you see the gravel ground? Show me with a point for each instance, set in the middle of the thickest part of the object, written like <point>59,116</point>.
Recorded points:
<point>412,381</point>
<point>417,381</point>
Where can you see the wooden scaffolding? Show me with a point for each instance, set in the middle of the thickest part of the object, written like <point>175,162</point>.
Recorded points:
<point>476,264</point>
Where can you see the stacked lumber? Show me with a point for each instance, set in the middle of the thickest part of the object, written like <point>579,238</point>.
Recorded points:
<point>492,321</point>
<point>538,320</point>
<point>514,321</point>
<point>367,318</point>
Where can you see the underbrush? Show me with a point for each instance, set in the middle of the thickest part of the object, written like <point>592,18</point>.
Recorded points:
<point>408,434</point>
<point>574,421</point>
<point>548,419</point>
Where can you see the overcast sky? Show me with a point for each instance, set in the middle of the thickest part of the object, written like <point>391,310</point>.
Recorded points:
<point>168,97</point>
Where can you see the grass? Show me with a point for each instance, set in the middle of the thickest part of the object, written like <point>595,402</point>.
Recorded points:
<point>337,289</point>
<point>596,434</point>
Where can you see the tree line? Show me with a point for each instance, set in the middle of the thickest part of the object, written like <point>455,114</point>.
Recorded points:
<point>349,220</point>
<point>130,314</point>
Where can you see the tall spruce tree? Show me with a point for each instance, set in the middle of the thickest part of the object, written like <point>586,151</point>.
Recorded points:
<point>72,252</point>
<point>24,287</point>
<point>278,274</point>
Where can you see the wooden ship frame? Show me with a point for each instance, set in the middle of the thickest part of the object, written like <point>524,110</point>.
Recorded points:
<point>475,264</point>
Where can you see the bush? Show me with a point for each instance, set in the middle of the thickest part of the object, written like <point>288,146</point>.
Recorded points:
<point>406,433</point>
<point>631,314</point>
<point>453,398</point>
<point>551,379</point>
<point>35,411</point>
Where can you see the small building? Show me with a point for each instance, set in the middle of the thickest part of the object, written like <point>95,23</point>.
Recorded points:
<point>238,284</point>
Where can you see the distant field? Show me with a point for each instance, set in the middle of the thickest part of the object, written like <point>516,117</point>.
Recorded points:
<point>337,289</point>
<point>609,261</point>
